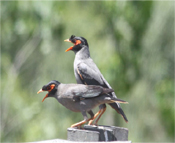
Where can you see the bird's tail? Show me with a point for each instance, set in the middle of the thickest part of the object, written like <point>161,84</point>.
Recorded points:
<point>116,106</point>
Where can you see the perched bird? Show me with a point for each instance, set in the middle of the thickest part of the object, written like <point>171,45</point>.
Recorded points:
<point>86,72</point>
<point>79,97</point>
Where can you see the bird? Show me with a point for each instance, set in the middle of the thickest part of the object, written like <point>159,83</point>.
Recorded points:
<point>79,97</point>
<point>86,72</point>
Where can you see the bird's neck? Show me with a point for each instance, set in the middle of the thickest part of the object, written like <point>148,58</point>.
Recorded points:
<point>83,53</point>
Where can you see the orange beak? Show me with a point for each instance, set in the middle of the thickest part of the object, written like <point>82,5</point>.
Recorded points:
<point>45,97</point>
<point>67,40</point>
<point>76,43</point>
<point>40,92</point>
<point>69,49</point>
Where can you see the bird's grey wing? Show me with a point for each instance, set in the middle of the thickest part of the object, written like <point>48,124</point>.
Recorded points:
<point>91,75</point>
<point>88,74</point>
<point>90,91</point>
<point>87,91</point>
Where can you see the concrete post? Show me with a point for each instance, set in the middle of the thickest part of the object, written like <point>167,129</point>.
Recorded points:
<point>98,133</point>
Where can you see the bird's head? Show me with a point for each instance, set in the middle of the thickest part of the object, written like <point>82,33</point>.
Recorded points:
<point>51,87</point>
<point>78,42</point>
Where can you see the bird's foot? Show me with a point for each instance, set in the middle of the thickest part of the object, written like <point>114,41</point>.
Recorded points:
<point>78,125</point>
<point>95,124</point>
<point>75,126</point>
<point>92,124</point>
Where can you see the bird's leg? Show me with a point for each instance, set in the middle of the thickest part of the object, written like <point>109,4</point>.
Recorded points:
<point>81,122</point>
<point>78,124</point>
<point>95,116</point>
<point>103,110</point>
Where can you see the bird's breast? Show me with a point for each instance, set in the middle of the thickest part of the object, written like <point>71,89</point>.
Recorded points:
<point>69,104</point>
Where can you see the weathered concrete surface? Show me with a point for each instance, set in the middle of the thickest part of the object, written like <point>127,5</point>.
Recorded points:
<point>82,135</point>
<point>105,134</point>
<point>98,133</point>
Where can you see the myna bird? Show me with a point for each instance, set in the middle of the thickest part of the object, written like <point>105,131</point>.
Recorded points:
<point>86,72</point>
<point>79,97</point>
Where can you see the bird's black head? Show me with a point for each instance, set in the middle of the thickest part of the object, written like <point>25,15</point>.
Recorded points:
<point>78,42</point>
<point>51,87</point>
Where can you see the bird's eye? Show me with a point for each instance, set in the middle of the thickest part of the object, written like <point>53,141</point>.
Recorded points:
<point>74,41</point>
<point>48,88</point>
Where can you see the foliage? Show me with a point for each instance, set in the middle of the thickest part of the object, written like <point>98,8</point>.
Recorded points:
<point>130,41</point>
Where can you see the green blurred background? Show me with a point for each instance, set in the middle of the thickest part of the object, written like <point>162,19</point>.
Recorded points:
<point>131,42</point>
